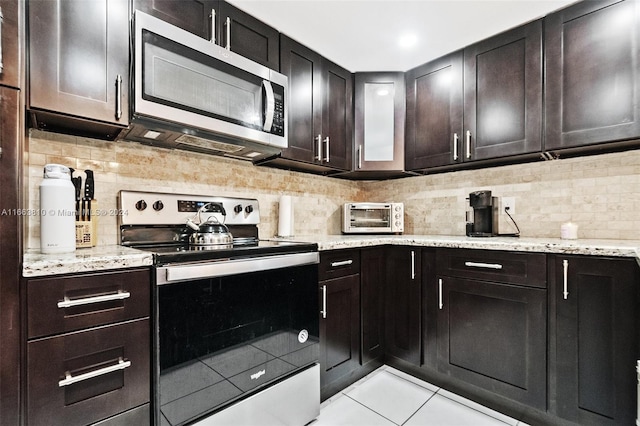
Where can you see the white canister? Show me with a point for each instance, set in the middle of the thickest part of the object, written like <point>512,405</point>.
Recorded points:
<point>57,210</point>
<point>569,231</point>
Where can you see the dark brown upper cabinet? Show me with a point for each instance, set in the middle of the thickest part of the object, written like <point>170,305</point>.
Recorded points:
<point>379,124</point>
<point>9,44</point>
<point>221,23</point>
<point>479,104</point>
<point>320,124</point>
<point>434,113</point>
<point>592,69</point>
<point>79,66</point>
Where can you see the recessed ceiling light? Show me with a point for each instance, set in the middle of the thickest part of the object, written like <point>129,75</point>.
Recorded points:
<point>408,40</point>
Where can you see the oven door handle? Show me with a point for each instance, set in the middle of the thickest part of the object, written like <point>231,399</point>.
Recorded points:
<point>175,273</point>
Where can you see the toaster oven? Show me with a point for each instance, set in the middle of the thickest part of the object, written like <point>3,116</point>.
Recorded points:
<point>373,218</point>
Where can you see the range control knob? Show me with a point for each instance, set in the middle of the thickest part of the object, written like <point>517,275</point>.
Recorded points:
<point>237,208</point>
<point>248,209</point>
<point>158,205</point>
<point>141,205</point>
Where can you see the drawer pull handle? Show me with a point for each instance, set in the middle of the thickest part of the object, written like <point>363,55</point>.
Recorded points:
<point>341,263</point>
<point>68,303</point>
<point>69,379</point>
<point>440,304</point>
<point>483,265</point>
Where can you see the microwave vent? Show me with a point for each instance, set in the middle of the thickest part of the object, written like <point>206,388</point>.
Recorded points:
<point>196,142</point>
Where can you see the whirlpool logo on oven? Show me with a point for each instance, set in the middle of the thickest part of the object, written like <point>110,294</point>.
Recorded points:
<point>257,375</point>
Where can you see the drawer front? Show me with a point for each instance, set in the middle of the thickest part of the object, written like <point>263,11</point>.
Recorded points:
<point>338,263</point>
<point>84,377</point>
<point>64,304</point>
<point>528,269</point>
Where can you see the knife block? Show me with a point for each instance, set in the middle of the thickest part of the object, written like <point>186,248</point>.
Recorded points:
<point>86,230</point>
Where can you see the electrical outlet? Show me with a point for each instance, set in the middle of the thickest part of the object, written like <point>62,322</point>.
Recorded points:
<point>510,203</point>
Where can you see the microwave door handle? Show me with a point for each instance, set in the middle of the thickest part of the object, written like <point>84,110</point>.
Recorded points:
<point>271,105</point>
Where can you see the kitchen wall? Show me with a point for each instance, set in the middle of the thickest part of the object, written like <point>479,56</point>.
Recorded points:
<point>131,166</point>
<point>599,193</point>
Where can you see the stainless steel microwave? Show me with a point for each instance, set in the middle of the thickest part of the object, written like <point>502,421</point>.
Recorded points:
<point>373,218</point>
<point>189,93</point>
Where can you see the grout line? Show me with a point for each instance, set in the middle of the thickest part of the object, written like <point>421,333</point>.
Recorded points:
<point>371,409</point>
<point>420,408</point>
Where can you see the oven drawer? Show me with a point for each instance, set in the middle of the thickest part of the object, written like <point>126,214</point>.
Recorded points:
<point>338,263</point>
<point>529,269</point>
<point>65,304</point>
<point>84,377</point>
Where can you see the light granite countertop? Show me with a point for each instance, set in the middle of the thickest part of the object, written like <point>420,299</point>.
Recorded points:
<point>100,258</point>
<point>118,257</point>
<point>615,248</point>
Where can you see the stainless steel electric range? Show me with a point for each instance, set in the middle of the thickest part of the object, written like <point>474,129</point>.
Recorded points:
<point>236,318</point>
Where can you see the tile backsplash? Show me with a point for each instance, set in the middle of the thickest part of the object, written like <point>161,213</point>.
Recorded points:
<point>599,193</point>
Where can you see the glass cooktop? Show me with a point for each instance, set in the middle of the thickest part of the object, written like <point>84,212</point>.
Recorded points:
<point>164,254</point>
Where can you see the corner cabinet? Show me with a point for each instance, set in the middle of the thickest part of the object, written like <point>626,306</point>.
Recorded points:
<point>403,304</point>
<point>320,125</point>
<point>594,340</point>
<point>10,255</point>
<point>596,47</point>
<point>483,103</point>
<point>221,23</point>
<point>379,125</point>
<point>79,66</point>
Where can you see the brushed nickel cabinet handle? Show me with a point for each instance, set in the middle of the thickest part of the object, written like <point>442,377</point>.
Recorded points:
<point>69,303</point>
<point>565,271</point>
<point>319,142</point>
<point>455,146</point>
<point>118,97</point>
<point>413,265</point>
<point>69,379</point>
<point>212,16</point>
<point>341,263</point>
<point>483,265</point>
<point>468,153</point>
<point>440,304</point>
<point>326,141</point>
<point>324,301</point>
<point>228,24</point>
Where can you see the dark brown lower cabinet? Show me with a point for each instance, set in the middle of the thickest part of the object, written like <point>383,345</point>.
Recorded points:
<point>372,285</point>
<point>494,336</point>
<point>594,339</point>
<point>83,377</point>
<point>339,327</point>
<point>88,349</point>
<point>403,304</point>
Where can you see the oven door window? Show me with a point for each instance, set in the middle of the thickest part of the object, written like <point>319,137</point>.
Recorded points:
<point>222,339</point>
<point>370,218</point>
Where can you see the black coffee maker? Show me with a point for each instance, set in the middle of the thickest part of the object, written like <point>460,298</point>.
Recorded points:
<point>482,221</point>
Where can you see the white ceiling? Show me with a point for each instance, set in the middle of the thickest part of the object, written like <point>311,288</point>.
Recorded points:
<point>362,35</point>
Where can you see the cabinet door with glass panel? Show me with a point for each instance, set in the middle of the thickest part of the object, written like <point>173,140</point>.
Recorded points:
<point>379,121</point>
